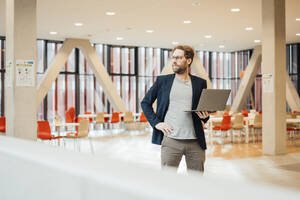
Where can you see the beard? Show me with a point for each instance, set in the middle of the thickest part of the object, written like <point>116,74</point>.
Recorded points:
<point>179,69</point>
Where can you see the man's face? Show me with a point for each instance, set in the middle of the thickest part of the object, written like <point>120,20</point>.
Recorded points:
<point>179,62</point>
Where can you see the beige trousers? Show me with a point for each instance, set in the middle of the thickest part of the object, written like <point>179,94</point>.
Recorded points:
<point>172,151</point>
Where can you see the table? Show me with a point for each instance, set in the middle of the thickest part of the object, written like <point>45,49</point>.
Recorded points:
<point>64,125</point>
<point>248,120</point>
<point>293,120</point>
<point>135,115</point>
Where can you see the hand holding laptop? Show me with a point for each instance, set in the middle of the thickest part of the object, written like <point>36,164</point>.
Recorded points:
<point>202,114</point>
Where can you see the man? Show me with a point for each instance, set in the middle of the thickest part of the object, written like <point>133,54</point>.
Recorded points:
<point>180,133</point>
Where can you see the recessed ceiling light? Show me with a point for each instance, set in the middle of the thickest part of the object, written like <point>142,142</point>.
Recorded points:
<point>187,21</point>
<point>52,33</point>
<point>78,24</point>
<point>110,13</point>
<point>175,43</point>
<point>256,41</point>
<point>249,28</point>
<point>208,36</point>
<point>196,4</point>
<point>297,19</point>
<point>149,31</point>
<point>119,38</point>
<point>221,46</point>
<point>298,34</point>
<point>235,10</point>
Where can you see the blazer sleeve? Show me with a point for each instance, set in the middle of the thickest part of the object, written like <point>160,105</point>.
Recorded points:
<point>207,118</point>
<point>147,103</point>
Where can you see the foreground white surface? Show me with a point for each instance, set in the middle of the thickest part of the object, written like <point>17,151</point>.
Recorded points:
<point>29,170</point>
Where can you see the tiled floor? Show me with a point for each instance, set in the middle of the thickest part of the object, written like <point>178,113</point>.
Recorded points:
<point>230,161</point>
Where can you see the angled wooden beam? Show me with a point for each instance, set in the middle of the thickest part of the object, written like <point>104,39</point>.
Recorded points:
<point>198,69</point>
<point>53,71</point>
<point>93,59</point>
<point>101,74</point>
<point>247,80</point>
<point>292,96</point>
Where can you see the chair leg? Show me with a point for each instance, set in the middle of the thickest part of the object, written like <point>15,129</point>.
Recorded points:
<point>293,136</point>
<point>78,143</point>
<point>224,135</point>
<point>74,142</point>
<point>253,135</point>
<point>91,146</point>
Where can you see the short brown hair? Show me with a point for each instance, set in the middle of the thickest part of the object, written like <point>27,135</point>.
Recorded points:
<point>188,52</point>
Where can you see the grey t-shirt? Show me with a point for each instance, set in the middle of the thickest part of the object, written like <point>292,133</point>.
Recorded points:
<point>180,100</point>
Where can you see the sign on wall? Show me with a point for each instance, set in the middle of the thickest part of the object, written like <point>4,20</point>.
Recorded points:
<point>267,83</point>
<point>25,73</point>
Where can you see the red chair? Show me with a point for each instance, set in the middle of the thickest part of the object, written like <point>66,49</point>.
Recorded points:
<point>2,124</point>
<point>225,126</point>
<point>226,114</point>
<point>143,123</point>
<point>115,118</point>
<point>44,131</point>
<point>122,118</point>
<point>245,113</point>
<point>143,118</point>
<point>226,123</point>
<point>90,118</point>
<point>106,118</point>
<point>70,115</point>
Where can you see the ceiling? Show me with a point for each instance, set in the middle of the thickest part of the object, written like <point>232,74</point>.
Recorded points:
<point>164,17</point>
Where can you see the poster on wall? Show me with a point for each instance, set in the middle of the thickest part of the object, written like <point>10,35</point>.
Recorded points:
<point>8,73</point>
<point>24,73</point>
<point>267,83</point>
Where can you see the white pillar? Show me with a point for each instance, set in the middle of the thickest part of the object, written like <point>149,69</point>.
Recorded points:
<point>274,76</point>
<point>20,85</point>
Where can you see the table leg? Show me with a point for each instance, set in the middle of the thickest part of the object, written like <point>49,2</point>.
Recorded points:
<point>58,134</point>
<point>247,132</point>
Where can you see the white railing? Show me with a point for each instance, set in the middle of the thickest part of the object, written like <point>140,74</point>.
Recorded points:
<point>34,171</point>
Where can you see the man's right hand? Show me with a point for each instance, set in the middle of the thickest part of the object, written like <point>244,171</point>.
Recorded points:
<point>164,127</point>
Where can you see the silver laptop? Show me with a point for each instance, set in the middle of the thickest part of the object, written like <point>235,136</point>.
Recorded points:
<point>212,100</point>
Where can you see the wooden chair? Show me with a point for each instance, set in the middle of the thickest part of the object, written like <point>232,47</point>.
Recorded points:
<point>129,121</point>
<point>237,125</point>
<point>257,125</point>
<point>100,119</point>
<point>82,132</point>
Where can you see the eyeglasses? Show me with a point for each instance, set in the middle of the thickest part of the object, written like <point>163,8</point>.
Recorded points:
<point>177,57</point>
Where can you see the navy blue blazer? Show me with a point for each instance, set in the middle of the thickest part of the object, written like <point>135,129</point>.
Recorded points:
<point>161,91</point>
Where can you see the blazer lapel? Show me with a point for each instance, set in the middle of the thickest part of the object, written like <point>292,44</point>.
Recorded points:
<point>168,86</point>
<point>195,97</point>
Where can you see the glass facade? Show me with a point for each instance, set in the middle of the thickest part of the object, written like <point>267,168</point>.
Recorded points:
<point>133,71</point>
